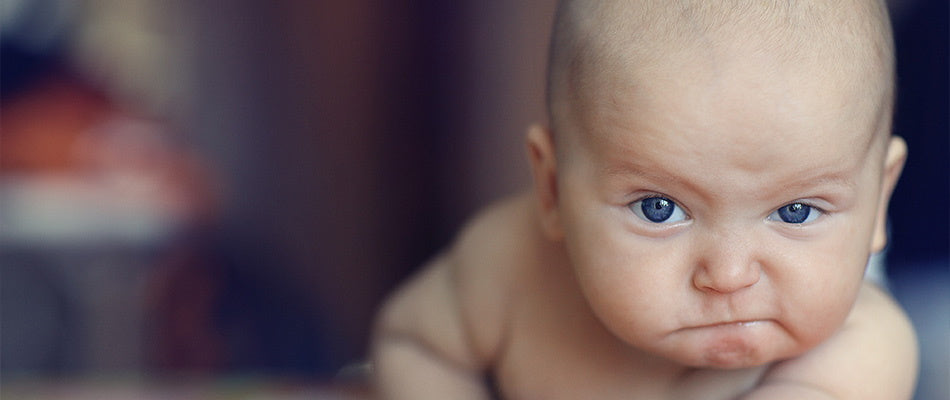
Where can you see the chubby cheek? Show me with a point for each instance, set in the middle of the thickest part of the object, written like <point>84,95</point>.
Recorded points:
<point>825,275</point>
<point>631,287</point>
<point>817,290</point>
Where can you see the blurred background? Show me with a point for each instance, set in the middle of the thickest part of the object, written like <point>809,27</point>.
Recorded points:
<point>224,191</point>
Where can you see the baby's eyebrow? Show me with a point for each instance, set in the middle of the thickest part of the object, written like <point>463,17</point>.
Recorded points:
<point>626,169</point>
<point>843,179</point>
<point>837,181</point>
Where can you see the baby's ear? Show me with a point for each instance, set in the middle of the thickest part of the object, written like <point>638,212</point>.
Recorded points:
<point>541,154</point>
<point>893,165</point>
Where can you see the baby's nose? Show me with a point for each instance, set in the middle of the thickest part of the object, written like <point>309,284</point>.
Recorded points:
<point>726,265</point>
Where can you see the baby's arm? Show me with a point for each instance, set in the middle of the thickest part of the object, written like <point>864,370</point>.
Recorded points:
<point>874,356</point>
<point>437,337</point>
<point>421,349</point>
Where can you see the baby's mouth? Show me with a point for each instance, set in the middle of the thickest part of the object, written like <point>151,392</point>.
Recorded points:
<point>739,323</point>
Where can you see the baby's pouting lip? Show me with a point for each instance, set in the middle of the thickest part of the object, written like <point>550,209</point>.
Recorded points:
<point>726,324</point>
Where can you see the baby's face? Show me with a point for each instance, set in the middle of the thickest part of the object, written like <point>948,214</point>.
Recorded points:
<point>722,215</point>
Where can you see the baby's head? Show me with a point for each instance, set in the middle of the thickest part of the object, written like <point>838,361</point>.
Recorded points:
<point>719,172</point>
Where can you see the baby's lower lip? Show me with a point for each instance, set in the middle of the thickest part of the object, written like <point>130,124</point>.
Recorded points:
<point>726,325</point>
<point>743,324</point>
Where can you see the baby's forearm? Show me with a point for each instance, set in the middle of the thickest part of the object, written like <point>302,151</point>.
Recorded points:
<point>405,369</point>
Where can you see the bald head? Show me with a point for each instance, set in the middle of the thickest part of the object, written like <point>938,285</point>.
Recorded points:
<point>597,45</point>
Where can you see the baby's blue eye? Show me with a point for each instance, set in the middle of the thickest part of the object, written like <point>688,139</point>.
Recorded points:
<point>795,213</point>
<point>658,210</point>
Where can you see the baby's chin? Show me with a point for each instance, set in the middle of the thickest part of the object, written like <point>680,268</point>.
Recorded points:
<point>727,357</point>
<point>734,355</point>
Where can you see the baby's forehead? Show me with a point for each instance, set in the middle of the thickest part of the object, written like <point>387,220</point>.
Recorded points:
<point>765,131</point>
<point>745,111</point>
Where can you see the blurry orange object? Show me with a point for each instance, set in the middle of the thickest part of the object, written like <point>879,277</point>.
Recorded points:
<point>40,128</point>
<point>64,129</point>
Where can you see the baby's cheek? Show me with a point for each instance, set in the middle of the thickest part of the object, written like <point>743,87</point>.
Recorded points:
<point>821,318</point>
<point>817,292</point>
<point>628,309</point>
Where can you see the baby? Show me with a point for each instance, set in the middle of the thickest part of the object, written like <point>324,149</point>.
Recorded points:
<point>712,181</point>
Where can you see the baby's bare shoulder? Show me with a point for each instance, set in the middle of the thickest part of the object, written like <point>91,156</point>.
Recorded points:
<point>457,305</point>
<point>497,243</point>
<point>491,258</point>
<point>874,356</point>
